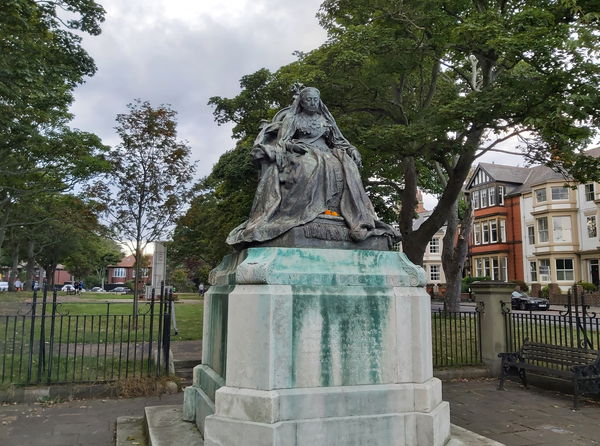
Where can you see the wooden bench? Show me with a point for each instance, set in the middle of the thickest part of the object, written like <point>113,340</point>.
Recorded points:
<point>581,366</point>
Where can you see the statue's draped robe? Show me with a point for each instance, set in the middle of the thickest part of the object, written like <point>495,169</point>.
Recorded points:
<point>299,187</point>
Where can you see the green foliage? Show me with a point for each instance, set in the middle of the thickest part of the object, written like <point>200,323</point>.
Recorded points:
<point>151,172</point>
<point>423,88</point>
<point>180,280</point>
<point>41,62</point>
<point>587,286</point>
<point>545,292</point>
<point>96,254</point>
<point>467,281</point>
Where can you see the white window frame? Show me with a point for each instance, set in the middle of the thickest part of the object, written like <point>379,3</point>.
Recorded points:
<point>543,235</point>
<point>589,192</point>
<point>475,199</point>
<point>435,272</point>
<point>495,268</point>
<point>501,195</point>
<point>479,268</point>
<point>533,271</point>
<point>502,224</point>
<point>560,193</point>
<point>494,231</point>
<point>484,198</point>
<point>434,246</point>
<point>531,234</point>
<point>504,268</point>
<point>540,195</point>
<point>119,272</point>
<point>485,231</point>
<point>545,271</point>
<point>487,267</point>
<point>492,196</point>
<point>477,233</point>
<point>564,273</point>
<point>562,232</point>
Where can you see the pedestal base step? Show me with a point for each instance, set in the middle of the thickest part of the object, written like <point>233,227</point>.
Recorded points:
<point>164,426</point>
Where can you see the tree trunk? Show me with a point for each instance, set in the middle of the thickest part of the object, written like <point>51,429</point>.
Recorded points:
<point>50,270</point>
<point>3,224</point>
<point>30,266</point>
<point>454,254</point>
<point>415,242</point>
<point>14,269</point>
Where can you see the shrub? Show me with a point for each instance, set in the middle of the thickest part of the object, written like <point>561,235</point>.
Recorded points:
<point>545,292</point>
<point>587,286</point>
<point>467,281</point>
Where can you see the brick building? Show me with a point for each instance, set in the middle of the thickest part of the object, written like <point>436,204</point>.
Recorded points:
<point>124,271</point>
<point>495,249</point>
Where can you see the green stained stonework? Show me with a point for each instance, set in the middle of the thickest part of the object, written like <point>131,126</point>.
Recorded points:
<point>318,267</point>
<point>341,332</point>
<point>293,318</point>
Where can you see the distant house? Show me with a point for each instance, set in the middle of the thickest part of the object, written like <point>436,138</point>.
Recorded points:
<point>124,271</point>
<point>496,250</point>
<point>61,275</point>
<point>533,224</point>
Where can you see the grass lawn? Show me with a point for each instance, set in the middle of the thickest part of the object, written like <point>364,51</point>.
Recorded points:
<point>87,340</point>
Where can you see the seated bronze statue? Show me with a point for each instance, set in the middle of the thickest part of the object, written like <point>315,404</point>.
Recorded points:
<point>308,170</point>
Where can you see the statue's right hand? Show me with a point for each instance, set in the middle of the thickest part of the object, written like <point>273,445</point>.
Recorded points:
<point>295,147</point>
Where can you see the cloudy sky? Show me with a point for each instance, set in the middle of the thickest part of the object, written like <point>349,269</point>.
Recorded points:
<point>182,52</point>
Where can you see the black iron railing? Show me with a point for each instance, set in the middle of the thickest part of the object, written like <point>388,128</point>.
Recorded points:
<point>456,338</point>
<point>576,326</point>
<point>50,342</point>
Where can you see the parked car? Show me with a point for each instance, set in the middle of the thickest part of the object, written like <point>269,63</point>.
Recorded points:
<point>68,288</point>
<point>3,286</point>
<point>521,301</point>
<point>121,290</point>
<point>98,289</point>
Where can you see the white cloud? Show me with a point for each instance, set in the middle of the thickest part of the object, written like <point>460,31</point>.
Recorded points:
<point>182,52</point>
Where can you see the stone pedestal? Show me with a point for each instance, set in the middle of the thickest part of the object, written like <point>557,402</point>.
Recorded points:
<point>317,347</point>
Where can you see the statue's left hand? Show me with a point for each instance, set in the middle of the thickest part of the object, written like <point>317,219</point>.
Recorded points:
<point>355,155</point>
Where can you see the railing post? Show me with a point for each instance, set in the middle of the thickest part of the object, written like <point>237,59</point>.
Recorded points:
<point>489,296</point>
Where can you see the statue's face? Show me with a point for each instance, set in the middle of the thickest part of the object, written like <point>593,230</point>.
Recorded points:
<point>310,101</point>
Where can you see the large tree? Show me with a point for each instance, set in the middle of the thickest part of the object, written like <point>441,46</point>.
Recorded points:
<point>149,182</point>
<point>420,83</point>
<point>41,62</point>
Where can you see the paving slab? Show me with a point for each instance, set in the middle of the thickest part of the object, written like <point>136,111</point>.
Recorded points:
<point>522,417</point>
<point>71,423</point>
<point>130,431</point>
<point>515,417</point>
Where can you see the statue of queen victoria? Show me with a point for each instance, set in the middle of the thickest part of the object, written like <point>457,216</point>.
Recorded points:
<point>309,172</point>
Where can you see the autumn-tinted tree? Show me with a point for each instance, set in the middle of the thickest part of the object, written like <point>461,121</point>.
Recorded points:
<point>149,182</point>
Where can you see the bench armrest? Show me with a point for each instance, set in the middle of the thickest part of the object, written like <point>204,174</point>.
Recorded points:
<point>510,357</point>
<point>586,370</point>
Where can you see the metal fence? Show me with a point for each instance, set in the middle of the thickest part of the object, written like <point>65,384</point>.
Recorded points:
<point>456,338</point>
<point>576,326</point>
<point>48,342</point>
